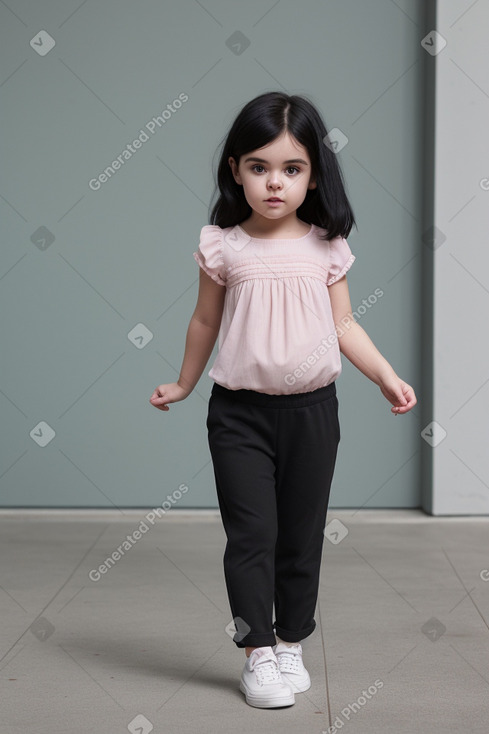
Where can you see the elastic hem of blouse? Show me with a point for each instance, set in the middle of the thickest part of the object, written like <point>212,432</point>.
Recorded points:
<point>214,276</point>
<point>343,270</point>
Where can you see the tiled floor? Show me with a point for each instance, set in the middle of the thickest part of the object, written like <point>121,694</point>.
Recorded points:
<point>401,644</point>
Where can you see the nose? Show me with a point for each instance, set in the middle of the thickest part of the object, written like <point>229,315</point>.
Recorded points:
<point>274,182</point>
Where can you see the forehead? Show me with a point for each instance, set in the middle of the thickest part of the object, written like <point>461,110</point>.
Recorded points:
<point>282,148</point>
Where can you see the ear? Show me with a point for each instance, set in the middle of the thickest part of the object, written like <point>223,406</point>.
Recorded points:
<point>234,169</point>
<point>312,184</point>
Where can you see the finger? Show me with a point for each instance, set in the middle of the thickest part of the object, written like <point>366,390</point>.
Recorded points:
<point>161,407</point>
<point>404,408</point>
<point>396,397</point>
<point>402,398</point>
<point>410,394</point>
<point>411,401</point>
<point>412,397</point>
<point>400,402</point>
<point>158,404</point>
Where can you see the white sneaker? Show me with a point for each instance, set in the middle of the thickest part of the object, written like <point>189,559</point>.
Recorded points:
<point>291,666</point>
<point>262,683</point>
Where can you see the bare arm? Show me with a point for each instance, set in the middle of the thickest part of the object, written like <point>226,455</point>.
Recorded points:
<point>199,344</point>
<point>357,346</point>
<point>202,333</point>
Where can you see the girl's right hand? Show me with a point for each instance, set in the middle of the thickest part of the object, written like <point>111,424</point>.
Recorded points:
<point>171,393</point>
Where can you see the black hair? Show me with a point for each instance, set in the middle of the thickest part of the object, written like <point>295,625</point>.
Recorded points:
<point>259,123</point>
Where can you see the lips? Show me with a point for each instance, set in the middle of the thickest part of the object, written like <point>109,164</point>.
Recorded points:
<point>273,198</point>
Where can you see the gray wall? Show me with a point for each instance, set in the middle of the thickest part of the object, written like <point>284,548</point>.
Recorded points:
<point>97,285</point>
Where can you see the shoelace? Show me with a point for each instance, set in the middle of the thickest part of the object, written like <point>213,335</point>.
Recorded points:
<point>267,672</point>
<point>289,662</point>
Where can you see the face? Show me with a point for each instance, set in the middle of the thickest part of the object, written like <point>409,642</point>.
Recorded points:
<point>281,169</point>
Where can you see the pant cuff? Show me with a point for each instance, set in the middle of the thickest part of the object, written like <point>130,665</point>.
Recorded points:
<point>263,639</point>
<point>294,635</point>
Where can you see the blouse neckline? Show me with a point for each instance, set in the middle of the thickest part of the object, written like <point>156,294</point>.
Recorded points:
<point>277,239</point>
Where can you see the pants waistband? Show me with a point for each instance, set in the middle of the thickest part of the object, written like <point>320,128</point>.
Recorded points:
<point>294,400</point>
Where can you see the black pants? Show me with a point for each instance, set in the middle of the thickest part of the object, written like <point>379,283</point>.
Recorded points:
<point>273,459</point>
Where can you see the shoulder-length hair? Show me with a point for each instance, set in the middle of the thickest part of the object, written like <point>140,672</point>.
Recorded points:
<point>259,123</point>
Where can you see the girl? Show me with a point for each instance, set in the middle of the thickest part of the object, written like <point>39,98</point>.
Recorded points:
<point>273,288</point>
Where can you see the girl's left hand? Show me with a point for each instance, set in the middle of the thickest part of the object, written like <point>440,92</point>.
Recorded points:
<point>399,393</point>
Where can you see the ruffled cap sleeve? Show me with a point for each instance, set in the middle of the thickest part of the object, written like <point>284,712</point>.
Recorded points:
<point>209,254</point>
<point>340,259</point>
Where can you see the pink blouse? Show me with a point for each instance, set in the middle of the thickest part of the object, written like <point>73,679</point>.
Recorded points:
<point>277,332</point>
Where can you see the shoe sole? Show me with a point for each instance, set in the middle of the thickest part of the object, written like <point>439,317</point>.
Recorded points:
<point>264,703</point>
<point>296,687</point>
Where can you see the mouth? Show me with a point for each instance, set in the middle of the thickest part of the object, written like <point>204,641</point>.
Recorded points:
<point>273,198</point>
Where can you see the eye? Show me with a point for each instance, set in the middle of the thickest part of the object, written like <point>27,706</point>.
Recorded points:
<point>289,168</point>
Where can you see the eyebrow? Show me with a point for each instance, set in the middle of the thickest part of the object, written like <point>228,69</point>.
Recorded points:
<point>291,160</point>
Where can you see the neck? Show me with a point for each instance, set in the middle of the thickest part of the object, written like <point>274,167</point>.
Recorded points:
<point>290,226</point>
